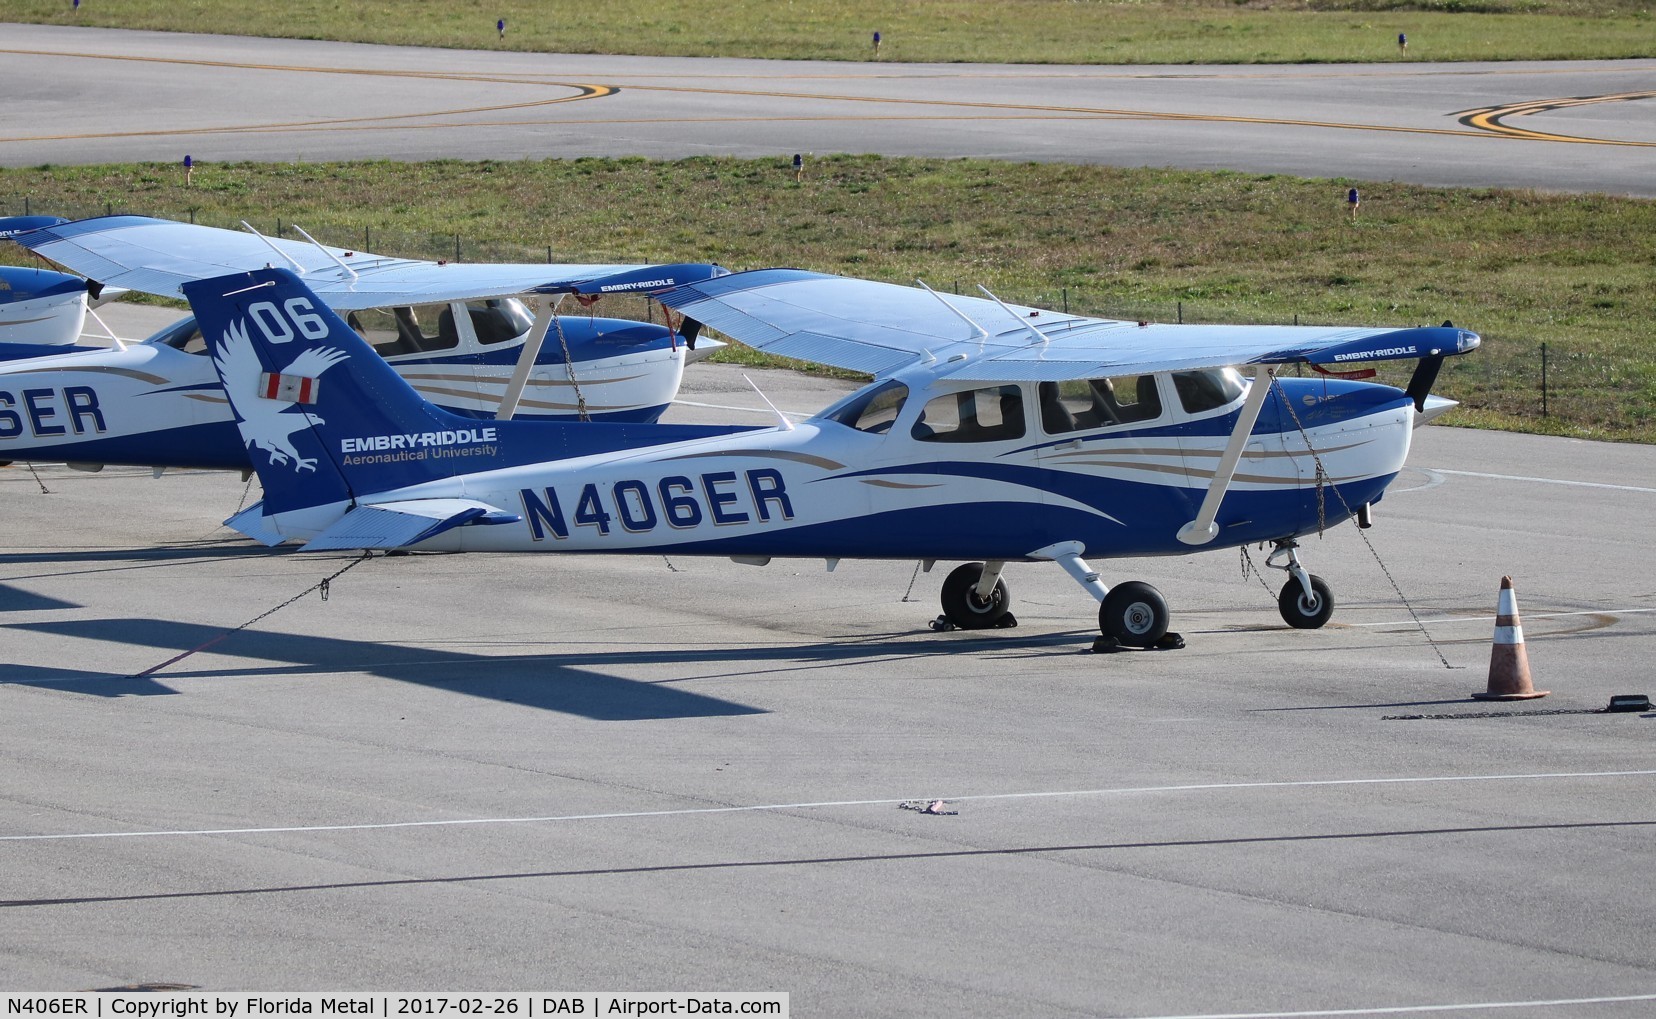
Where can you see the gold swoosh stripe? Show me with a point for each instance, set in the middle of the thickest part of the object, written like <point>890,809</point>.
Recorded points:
<point>804,458</point>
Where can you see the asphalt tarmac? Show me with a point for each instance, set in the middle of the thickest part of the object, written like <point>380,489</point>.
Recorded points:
<point>76,95</point>
<point>538,772</point>
<point>524,772</point>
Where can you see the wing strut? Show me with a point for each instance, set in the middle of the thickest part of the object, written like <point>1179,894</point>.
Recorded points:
<point>1203,529</point>
<point>120,344</point>
<point>545,311</point>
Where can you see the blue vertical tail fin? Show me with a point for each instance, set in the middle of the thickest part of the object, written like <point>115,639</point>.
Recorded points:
<point>325,418</point>
<point>328,422</point>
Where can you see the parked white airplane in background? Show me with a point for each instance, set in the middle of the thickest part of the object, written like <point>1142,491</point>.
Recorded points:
<point>455,332</point>
<point>38,306</point>
<point>993,433</point>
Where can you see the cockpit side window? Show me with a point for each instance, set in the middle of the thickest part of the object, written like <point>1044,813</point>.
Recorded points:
<point>497,321</point>
<point>1081,404</point>
<point>1207,390</point>
<point>407,330</point>
<point>977,415</point>
<point>872,410</point>
<point>184,335</point>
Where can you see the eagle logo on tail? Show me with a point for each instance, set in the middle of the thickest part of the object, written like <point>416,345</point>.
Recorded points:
<point>267,422</point>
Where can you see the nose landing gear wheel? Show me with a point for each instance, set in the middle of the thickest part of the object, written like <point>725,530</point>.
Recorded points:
<point>1134,613</point>
<point>1306,613</point>
<point>962,605</point>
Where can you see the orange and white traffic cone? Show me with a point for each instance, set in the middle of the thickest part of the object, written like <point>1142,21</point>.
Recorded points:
<point>1509,672</point>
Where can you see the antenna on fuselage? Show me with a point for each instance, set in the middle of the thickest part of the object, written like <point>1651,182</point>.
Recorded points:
<point>1040,337</point>
<point>786,424</point>
<point>982,333</point>
<point>352,272</point>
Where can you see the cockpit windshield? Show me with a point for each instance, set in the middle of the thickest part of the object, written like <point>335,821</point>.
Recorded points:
<point>182,335</point>
<point>870,410</point>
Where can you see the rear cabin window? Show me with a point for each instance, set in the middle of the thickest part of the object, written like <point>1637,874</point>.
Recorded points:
<point>872,410</point>
<point>408,330</point>
<point>1207,390</point>
<point>499,320</point>
<point>977,415</point>
<point>1081,404</point>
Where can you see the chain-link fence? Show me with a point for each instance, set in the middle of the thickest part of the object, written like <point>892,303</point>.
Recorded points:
<point>1519,382</point>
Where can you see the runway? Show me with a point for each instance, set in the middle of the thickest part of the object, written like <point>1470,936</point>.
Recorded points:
<point>640,773</point>
<point>95,96</point>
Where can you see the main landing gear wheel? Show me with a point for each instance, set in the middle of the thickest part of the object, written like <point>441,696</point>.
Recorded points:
<point>962,605</point>
<point>1134,613</point>
<point>1304,613</point>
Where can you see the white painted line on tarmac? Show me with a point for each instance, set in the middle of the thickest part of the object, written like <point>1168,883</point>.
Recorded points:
<point>1414,1009</point>
<point>746,410</point>
<point>1538,481</point>
<point>1491,617</point>
<point>1434,478</point>
<point>752,808</point>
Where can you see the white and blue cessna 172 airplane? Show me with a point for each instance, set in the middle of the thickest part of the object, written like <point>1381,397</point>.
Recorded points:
<point>990,433</point>
<point>455,332</point>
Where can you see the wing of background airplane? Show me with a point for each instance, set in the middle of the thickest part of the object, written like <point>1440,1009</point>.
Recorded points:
<point>881,328</point>
<point>10,225</point>
<point>158,256</point>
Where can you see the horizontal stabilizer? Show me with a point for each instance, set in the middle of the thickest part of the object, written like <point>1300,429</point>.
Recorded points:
<point>252,523</point>
<point>399,524</point>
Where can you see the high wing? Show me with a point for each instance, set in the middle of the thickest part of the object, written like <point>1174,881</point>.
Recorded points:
<point>158,256</point>
<point>881,328</point>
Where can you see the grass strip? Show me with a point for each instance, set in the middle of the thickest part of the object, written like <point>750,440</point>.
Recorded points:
<point>983,31</point>
<point>1576,273</point>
